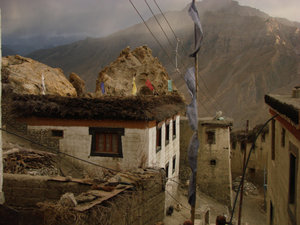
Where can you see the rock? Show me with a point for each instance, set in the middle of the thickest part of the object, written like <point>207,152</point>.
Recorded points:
<point>118,76</point>
<point>24,76</point>
<point>68,200</point>
<point>78,84</point>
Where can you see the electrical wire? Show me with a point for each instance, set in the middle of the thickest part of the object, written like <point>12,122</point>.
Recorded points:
<point>176,37</point>
<point>245,167</point>
<point>163,48</point>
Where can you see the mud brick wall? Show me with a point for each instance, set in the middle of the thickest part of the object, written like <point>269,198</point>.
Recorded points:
<point>25,190</point>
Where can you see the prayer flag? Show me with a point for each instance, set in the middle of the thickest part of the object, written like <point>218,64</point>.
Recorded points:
<point>192,114</point>
<point>170,87</point>
<point>193,12</point>
<point>134,90</point>
<point>149,85</point>
<point>102,87</point>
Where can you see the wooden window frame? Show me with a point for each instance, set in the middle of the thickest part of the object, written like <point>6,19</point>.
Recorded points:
<point>174,128</point>
<point>208,139</point>
<point>273,138</point>
<point>283,134</point>
<point>292,205</point>
<point>158,138</point>
<point>95,131</point>
<point>167,134</point>
<point>57,133</point>
<point>167,170</point>
<point>174,164</point>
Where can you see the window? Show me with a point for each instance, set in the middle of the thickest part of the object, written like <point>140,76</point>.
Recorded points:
<point>57,133</point>
<point>271,213</point>
<point>263,137</point>
<point>174,164</point>
<point>167,133</point>
<point>174,128</point>
<point>282,137</point>
<point>167,170</point>
<point>243,145</point>
<point>292,185</point>
<point>213,162</point>
<point>273,139</point>
<point>233,145</point>
<point>158,139</point>
<point>211,139</point>
<point>106,142</point>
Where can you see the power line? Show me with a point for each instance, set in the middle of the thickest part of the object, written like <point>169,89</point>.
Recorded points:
<point>159,23</point>
<point>162,46</point>
<point>245,167</point>
<point>176,37</point>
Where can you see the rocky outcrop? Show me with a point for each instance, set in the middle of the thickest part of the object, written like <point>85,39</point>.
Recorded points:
<point>24,76</point>
<point>78,84</point>
<point>139,63</point>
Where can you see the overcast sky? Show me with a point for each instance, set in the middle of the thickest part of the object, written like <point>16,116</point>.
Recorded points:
<point>97,18</point>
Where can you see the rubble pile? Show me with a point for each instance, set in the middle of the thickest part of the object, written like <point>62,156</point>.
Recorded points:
<point>249,188</point>
<point>28,161</point>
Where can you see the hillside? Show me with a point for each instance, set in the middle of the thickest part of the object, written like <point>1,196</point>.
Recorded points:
<point>245,55</point>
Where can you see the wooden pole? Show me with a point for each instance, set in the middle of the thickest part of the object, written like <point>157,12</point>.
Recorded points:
<point>193,208</point>
<point>244,164</point>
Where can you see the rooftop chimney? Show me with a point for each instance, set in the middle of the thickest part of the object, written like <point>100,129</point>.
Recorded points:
<point>296,92</point>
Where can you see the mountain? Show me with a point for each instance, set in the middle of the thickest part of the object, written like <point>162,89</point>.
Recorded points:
<point>245,54</point>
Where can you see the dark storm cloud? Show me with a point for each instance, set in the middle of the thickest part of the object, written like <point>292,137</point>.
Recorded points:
<point>25,18</point>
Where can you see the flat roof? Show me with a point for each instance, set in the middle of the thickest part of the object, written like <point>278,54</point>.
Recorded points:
<point>285,105</point>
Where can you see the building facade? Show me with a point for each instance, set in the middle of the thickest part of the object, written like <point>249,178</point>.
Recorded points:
<point>214,163</point>
<point>283,193</point>
<point>257,166</point>
<point>117,133</point>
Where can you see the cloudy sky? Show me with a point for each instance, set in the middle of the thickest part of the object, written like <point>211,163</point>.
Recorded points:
<point>95,18</point>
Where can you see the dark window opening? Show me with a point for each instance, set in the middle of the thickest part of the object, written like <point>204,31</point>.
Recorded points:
<point>292,185</point>
<point>57,133</point>
<point>174,164</point>
<point>158,139</point>
<point>243,145</point>
<point>174,128</point>
<point>167,133</point>
<point>213,162</point>
<point>282,137</point>
<point>271,213</point>
<point>211,139</point>
<point>273,139</point>
<point>233,145</point>
<point>263,137</point>
<point>106,142</point>
<point>167,170</point>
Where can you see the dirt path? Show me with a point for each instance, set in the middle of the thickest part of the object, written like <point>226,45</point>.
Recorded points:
<point>252,213</point>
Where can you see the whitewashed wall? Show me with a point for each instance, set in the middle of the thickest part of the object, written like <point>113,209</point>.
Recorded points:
<point>138,147</point>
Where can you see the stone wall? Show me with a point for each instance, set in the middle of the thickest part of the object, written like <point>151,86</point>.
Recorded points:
<point>142,205</point>
<point>257,165</point>
<point>26,190</point>
<point>214,169</point>
<point>278,177</point>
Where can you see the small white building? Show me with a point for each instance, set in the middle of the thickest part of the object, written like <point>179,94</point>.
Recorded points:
<point>121,133</point>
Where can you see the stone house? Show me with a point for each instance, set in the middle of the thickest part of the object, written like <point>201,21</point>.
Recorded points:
<point>257,166</point>
<point>283,195</point>
<point>214,163</point>
<point>121,133</point>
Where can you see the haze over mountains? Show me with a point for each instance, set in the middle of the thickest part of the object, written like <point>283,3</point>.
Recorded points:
<point>245,54</point>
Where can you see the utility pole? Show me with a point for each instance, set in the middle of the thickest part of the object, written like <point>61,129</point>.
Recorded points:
<point>244,169</point>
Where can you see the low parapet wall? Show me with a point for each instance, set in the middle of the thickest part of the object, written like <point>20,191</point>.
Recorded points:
<point>143,204</point>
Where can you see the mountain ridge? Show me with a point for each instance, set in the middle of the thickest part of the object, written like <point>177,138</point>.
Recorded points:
<point>245,54</point>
